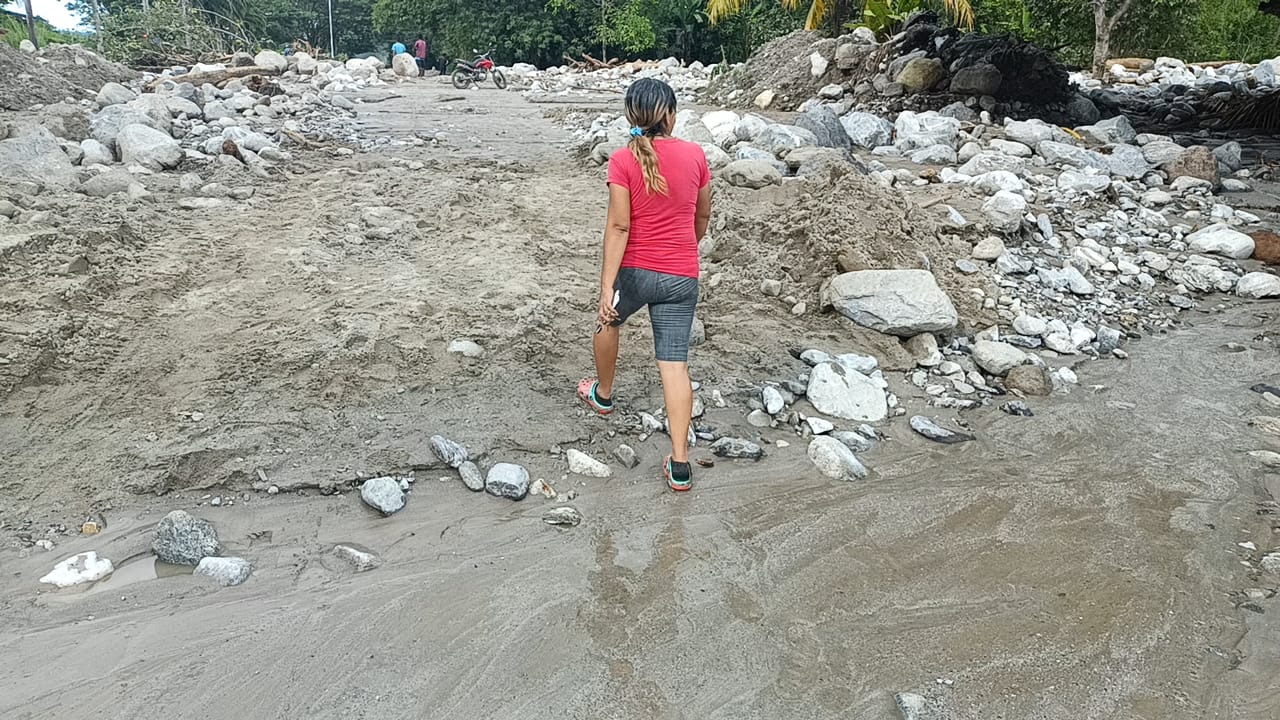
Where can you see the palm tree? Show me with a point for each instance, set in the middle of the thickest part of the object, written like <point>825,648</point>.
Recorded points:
<point>31,24</point>
<point>960,11</point>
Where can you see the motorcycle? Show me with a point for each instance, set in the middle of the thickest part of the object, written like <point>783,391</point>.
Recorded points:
<point>467,74</point>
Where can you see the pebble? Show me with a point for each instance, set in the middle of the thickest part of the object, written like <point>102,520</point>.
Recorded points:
<point>227,571</point>
<point>471,476</point>
<point>466,348</point>
<point>383,494</point>
<point>581,463</point>
<point>564,515</point>
<point>737,449</point>
<point>759,418</point>
<point>627,456</point>
<point>449,452</point>
<point>508,480</point>
<point>361,560</point>
<point>937,433</point>
<point>819,426</point>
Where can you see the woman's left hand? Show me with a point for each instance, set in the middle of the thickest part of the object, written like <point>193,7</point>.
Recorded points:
<point>606,314</point>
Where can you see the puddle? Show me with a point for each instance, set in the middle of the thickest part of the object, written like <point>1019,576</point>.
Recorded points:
<point>137,570</point>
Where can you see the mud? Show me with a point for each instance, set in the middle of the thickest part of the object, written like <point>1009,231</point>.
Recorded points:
<point>1083,563</point>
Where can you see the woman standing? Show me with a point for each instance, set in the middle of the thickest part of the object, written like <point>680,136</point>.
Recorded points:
<point>659,207</point>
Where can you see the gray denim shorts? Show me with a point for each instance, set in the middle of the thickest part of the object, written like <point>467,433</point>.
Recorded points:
<point>672,300</point>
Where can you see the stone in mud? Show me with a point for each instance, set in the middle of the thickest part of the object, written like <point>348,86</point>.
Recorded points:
<point>818,426</point>
<point>997,358</point>
<point>226,571</point>
<point>383,494</point>
<point>1268,458</point>
<point>1221,239</point>
<point>581,463</point>
<point>78,569</point>
<point>1004,211</point>
<point>507,480</point>
<point>894,302</point>
<point>565,516</point>
<point>471,476</point>
<point>1109,339</point>
<point>856,442</point>
<point>989,248</point>
<point>929,429</point>
<point>835,460</point>
<point>759,418</point>
<point>449,452</point>
<point>627,456</point>
<point>466,348</point>
<point>844,393</point>
<point>736,449</point>
<point>1018,408</point>
<point>1029,380</point>
<point>773,400</point>
<point>911,706</point>
<point>361,560</point>
<point>182,539</point>
<point>751,174</point>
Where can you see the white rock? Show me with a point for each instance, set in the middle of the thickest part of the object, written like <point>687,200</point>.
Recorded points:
<point>114,94</point>
<point>819,426</point>
<point>1222,240</point>
<point>773,400</point>
<point>77,569</point>
<point>921,130</point>
<point>866,130</point>
<point>1004,211</point>
<point>835,460</point>
<point>148,147</point>
<point>1258,285</point>
<point>840,392</point>
<point>723,125</point>
<point>997,358</point>
<point>1029,326</point>
<point>1078,181</point>
<point>988,248</point>
<point>581,463</point>
<point>271,59</point>
<point>227,571</point>
<point>466,348</point>
<point>895,302</point>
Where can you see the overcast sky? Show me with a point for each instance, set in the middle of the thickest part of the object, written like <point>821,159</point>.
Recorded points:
<point>55,11</point>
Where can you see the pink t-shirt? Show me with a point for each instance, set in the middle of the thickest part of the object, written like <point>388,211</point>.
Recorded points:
<point>663,238</point>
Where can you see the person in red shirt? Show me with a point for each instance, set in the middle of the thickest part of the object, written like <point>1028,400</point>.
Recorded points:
<point>659,207</point>
<point>420,55</point>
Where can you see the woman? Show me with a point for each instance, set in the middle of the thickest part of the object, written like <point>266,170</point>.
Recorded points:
<point>659,206</point>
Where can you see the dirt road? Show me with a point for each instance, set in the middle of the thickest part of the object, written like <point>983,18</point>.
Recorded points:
<point>1083,563</point>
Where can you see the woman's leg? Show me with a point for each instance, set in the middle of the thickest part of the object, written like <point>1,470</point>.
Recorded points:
<point>605,347</point>
<point>677,392</point>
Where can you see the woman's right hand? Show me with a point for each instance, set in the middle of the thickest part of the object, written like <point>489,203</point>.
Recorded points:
<point>606,314</point>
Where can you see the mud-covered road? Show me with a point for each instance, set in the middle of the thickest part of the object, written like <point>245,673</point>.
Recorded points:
<point>1083,563</point>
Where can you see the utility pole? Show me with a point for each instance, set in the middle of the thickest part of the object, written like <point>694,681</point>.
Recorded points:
<point>31,24</point>
<point>97,23</point>
<point>333,50</point>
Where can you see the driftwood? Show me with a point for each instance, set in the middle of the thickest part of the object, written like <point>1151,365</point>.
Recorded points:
<point>215,77</point>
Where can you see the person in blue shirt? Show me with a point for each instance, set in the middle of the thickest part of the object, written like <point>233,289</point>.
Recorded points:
<point>397,47</point>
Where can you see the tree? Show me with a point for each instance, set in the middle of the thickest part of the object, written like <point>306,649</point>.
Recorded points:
<point>31,24</point>
<point>1103,24</point>
<point>959,11</point>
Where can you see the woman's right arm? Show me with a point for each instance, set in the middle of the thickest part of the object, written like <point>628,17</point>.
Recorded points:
<point>702,216</point>
<point>617,230</point>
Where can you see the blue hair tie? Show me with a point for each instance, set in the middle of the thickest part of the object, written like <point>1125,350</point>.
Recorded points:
<point>636,132</point>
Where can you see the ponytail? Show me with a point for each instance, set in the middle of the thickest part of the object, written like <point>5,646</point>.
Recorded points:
<point>650,104</point>
<point>642,149</point>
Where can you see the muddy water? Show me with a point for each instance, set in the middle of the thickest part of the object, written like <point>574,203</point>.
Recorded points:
<point>1083,563</point>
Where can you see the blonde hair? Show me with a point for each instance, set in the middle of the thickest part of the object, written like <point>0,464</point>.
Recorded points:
<point>649,103</point>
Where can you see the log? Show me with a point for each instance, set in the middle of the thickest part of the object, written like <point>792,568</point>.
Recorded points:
<point>214,77</point>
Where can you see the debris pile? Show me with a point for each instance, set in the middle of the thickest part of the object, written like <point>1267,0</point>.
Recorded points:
<point>1167,92</point>
<point>54,74</point>
<point>567,80</point>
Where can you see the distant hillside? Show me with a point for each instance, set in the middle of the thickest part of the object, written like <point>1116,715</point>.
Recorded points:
<point>13,30</point>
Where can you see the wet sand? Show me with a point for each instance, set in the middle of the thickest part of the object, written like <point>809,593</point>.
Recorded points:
<point>1079,564</point>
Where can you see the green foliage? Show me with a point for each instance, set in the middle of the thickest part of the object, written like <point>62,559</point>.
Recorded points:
<point>13,30</point>
<point>886,17</point>
<point>168,30</point>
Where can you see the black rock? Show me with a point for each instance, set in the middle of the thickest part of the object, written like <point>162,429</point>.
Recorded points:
<point>182,539</point>
<point>737,449</point>
<point>1263,388</point>
<point>1017,407</point>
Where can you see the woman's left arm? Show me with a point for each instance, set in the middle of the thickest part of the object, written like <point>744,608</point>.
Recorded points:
<point>702,216</point>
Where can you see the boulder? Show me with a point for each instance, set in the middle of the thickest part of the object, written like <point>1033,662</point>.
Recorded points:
<point>1203,275</point>
<point>895,302</point>
<point>1064,154</point>
<point>1078,181</point>
<point>182,539</point>
<point>717,159</point>
<point>777,139</point>
<point>845,393</point>
<point>1114,130</point>
<point>247,139</point>
<point>1197,162</point>
<point>95,153</point>
<point>997,358</point>
<point>821,162</point>
<point>866,130</point>
<point>1033,132</point>
<point>1009,147</point>
<point>985,162</point>
<point>1029,380</point>
<point>1127,161</point>
<point>1221,239</point>
<point>271,59</point>
<point>934,155</point>
<point>148,147</point>
<point>978,79</point>
<point>835,460</point>
<point>36,156</point>
<point>114,94</point>
<point>404,65</point>
<point>921,74</point>
<point>1258,285</point>
<point>751,127</point>
<point>921,130</point>
<point>825,125</point>
<point>753,174</point>
<point>449,452</point>
<point>1229,155</point>
<point>723,126</point>
<point>1004,211</point>
<point>748,152</point>
<point>1162,152</point>
<point>1266,247</point>
<point>107,123</point>
<point>997,180</point>
<point>689,127</point>
<point>111,182</point>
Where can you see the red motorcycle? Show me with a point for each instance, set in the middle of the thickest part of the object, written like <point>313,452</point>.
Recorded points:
<point>468,74</point>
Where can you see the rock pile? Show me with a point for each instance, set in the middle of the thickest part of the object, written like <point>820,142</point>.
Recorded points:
<point>1171,93</point>
<point>686,80</point>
